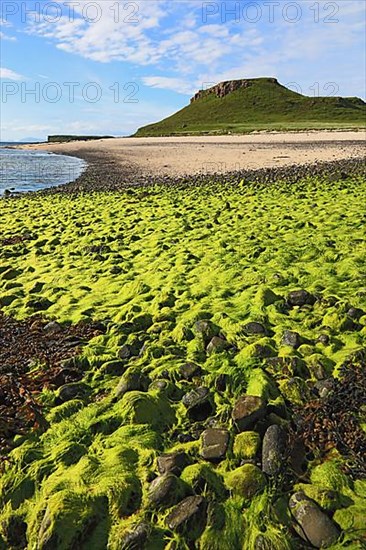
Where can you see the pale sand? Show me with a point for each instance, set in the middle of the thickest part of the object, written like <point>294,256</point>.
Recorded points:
<point>207,154</point>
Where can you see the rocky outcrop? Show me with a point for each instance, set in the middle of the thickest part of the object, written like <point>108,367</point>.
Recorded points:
<point>225,88</point>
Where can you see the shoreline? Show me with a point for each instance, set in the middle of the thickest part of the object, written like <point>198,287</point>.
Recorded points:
<point>113,165</point>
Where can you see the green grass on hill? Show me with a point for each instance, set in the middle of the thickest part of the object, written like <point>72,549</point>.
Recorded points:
<point>266,105</point>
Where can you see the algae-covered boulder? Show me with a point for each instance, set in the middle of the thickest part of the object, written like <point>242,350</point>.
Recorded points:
<point>188,516</point>
<point>214,443</point>
<point>203,478</point>
<point>273,450</point>
<point>246,481</point>
<point>205,330</point>
<point>248,409</point>
<point>142,408</point>
<point>70,519</point>
<point>312,524</point>
<point>246,445</point>
<point>294,390</point>
<point>132,380</point>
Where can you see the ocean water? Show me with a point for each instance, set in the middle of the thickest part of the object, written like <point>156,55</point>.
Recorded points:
<point>25,170</point>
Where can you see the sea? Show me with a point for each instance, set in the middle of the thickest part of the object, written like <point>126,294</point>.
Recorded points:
<point>29,170</point>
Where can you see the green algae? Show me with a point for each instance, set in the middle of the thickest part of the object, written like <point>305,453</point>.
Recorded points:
<point>151,264</point>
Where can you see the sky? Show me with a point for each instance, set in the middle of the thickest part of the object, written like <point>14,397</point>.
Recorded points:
<point>108,67</point>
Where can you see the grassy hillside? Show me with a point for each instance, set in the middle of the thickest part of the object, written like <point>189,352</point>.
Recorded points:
<point>265,105</point>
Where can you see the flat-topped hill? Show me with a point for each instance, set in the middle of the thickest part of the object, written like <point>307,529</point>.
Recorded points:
<point>240,106</point>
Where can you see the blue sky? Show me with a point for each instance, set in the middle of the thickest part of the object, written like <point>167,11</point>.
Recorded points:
<point>110,66</point>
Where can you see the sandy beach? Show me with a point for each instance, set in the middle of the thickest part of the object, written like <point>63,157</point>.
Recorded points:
<point>177,156</point>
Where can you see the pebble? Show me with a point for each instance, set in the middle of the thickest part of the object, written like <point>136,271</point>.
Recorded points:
<point>247,411</point>
<point>189,509</point>
<point>273,450</point>
<point>300,298</point>
<point>172,463</point>
<point>197,403</point>
<point>214,444</point>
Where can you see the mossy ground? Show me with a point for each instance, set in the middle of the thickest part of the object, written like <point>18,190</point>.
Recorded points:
<point>151,262</point>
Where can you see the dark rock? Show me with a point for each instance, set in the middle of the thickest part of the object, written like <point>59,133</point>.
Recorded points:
<point>313,525</point>
<point>247,411</point>
<point>190,370</point>
<point>273,450</point>
<point>132,380</point>
<point>125,352</point>
<point>291,338</point>
<point>15,532</point>
<point>216,345</point>
<point>300,298</point>
<point>355,313</point>
<point>172,463</point>
<point>163,490</point>
<point>198,403</point>
<point>323,339</point>
<point>254,328</point>
<point>221,382</point>
<point>40,304</point>
<point>113,368</point>
<point>287,366</point>
<point>136,539</point>
<point>324,387</point>
<point>206,329</point>
<point>214,443</point>
<point>190,510</point>
<point>71,391</point>
<point>53,327</point>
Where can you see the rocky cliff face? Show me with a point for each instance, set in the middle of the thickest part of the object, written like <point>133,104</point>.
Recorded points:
<point>225,88</point>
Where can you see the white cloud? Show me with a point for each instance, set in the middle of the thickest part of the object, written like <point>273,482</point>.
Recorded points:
<point>169,83</point>
<point>4,36</point>
<point>8,74</point>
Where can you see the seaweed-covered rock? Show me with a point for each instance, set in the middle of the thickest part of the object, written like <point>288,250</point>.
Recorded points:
<point>253,328</point>
<point>72,391</point>
<point>216,345</point>
<point>132,380</point>
<point>313,525</point>
<point>205,329</point>
<point>294,390</point>
<point>172,463</point>
<point>273,450</point>
<point>247,411</point>
<point>189,370</point>
<point>15,531</point>
<point>246,481</point>
<point>300,298</point>
<point>165,490</point>
<point>291,338</point>
<point>198,403</point>
<point>191,510</point>
<point>214,443</point>
<point>136,538</point>
<point>246,445</point>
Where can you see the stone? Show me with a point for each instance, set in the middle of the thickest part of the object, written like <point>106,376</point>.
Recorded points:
<point>253,328</point>
<point>136,538</point>
<point>163,490</point>
<point>246,445</point>
<point>206,329</point>
<point>313,524</point>
<point>355,313</point>
<point>247,411</point>
<point>71,391</point>
<point>188,510</point>
<point>113,368</point>
<point>197,403</point>
<point>190,370</point>
<point>300,298</point>
<point>323,339</point>
<point>15,531</point>
<point>216,345</point>
<point>132,380</point>
<point>172,463</point>
<point>291,338</point>
<point>294,390</point>
<point>273,450</point>
<point>246,481</point>
<point>214,444</point>
<point>324,387</point>
<point>53,327</point>
<point>125,352</point>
